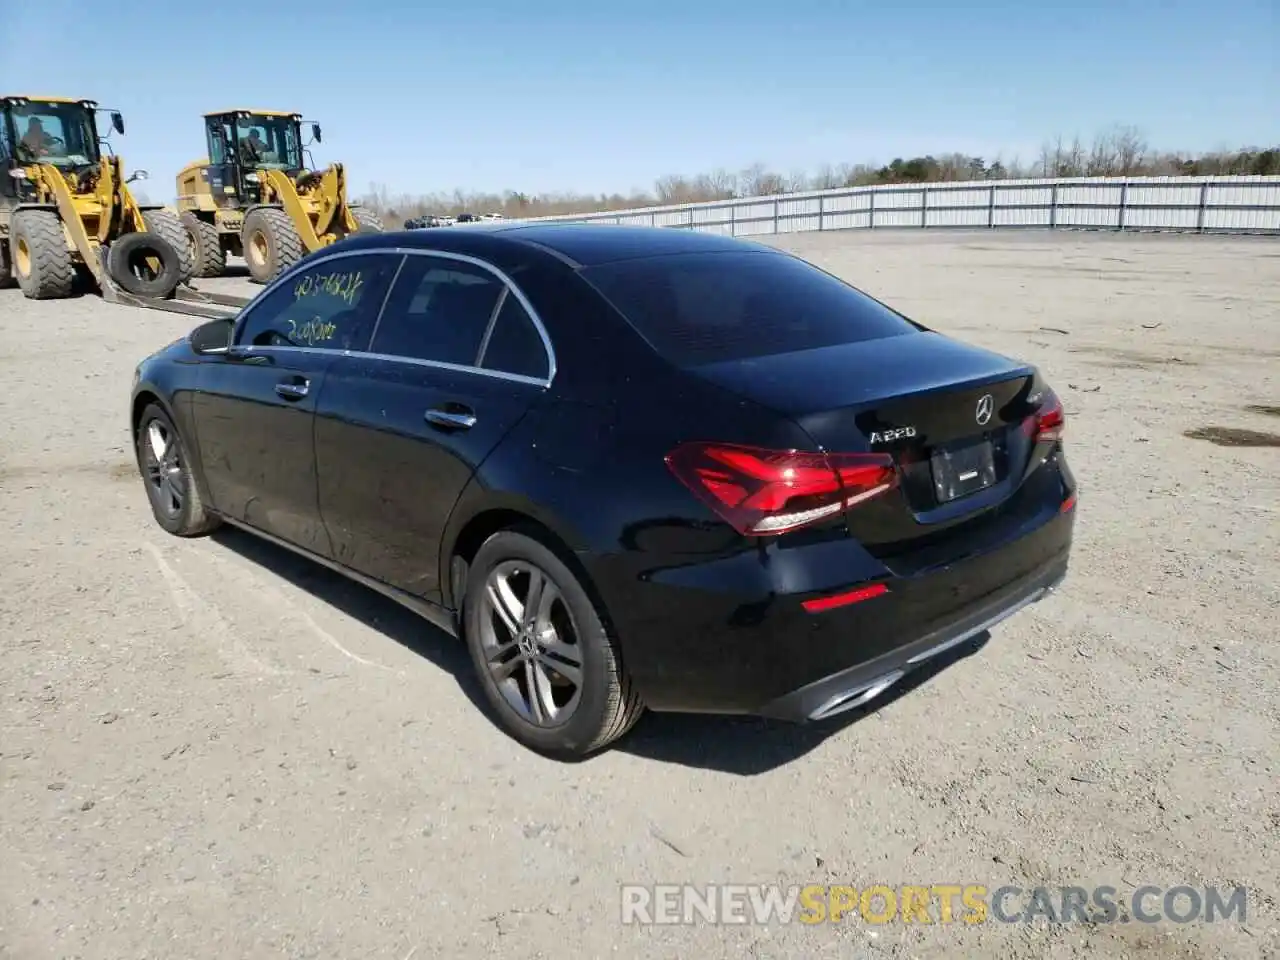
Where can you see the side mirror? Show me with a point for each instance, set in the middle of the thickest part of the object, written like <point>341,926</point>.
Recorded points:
<point>138,175</point>
<point>315,133</point>
<point>213,337</point>
<point>117,122</point>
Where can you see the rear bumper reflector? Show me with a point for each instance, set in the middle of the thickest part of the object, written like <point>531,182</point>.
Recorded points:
<point>819,604</point>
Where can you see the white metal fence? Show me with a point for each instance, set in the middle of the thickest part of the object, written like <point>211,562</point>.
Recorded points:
<point>1197,204</point>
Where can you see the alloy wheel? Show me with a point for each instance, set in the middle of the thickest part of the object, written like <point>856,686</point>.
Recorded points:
<point>163,469</point>
<point>530,643</point>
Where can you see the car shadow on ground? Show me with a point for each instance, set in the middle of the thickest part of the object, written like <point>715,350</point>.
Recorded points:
<point>359,602</point>
<point>745,746</point>
<point>748,746</point>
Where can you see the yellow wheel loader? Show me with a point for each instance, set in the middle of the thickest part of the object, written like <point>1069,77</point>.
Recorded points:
<point>66,208</point>
<point>254,196</point>
<point>66,213</point>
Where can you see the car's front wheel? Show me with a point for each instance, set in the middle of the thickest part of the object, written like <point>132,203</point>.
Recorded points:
<point>166,472</point>
<point>549,668</point>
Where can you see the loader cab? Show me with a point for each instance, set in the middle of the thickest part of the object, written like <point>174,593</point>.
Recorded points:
<point>242,142</point>
<point>51,130</point>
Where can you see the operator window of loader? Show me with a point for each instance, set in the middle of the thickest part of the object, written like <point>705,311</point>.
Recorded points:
<point>59,134</point>
<point>269,142</point>
<point>255,148</point>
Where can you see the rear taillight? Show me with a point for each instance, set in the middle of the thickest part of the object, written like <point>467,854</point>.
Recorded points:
<point>761,492</point>
<point>1047,423</point>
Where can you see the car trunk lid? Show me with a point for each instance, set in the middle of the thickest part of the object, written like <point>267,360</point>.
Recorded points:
<point>950,414</point>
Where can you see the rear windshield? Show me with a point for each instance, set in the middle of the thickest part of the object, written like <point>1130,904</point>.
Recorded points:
<point>699,308</point>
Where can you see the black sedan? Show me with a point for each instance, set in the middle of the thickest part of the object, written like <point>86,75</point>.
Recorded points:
<point>630,467</point>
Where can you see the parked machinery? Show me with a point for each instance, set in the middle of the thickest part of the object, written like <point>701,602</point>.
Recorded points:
<point>255,196</point>
<point>66,209</point>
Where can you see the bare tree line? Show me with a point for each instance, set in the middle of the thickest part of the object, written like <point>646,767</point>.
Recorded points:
<point>1119,151</point>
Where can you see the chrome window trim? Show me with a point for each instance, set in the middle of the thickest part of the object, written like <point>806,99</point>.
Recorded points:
<point>511,287</point>
<point>488,330</point>
<point>377,321</point>
<point>267,351</point>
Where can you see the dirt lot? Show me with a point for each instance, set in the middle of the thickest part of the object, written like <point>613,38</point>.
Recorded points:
<point>211,749</point>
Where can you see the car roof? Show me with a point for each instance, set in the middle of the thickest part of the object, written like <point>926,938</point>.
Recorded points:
<point>577,244</point>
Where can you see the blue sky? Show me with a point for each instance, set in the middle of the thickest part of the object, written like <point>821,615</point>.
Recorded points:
<point>549,95</point>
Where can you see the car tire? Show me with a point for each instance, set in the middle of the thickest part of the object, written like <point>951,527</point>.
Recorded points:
<point>165,468</point>
<point>605,704</point>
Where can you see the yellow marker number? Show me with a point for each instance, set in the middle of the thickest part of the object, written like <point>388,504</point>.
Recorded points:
<point>345,286</point>
<point>311,332</point>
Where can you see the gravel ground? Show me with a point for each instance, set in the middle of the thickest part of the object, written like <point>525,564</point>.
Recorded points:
<point>212,749</point>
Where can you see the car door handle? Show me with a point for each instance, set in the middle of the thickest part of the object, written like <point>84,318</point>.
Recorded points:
<point>293,389</point>
<point>460,419</point>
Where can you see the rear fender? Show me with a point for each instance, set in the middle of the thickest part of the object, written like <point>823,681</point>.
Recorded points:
<point>477,501</point>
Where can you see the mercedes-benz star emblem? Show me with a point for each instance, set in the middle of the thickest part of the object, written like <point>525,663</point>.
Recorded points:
<point>985,407</point>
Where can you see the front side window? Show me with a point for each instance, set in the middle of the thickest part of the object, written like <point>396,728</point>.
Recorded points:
<point>331,305</point>
<point>439,311</point>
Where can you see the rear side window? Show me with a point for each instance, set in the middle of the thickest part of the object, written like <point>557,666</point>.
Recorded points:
<point>515,346</point>
<point>709,307</point>
<point>438,310</point>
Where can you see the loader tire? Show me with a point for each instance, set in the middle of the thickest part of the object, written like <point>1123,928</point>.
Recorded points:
<point>41,261</point>
<point>7,278</point>
<point>167,226</point>
<point>128,264</point>
<point>271,244</point>
<point>208,256</point>
<point>367,222</point>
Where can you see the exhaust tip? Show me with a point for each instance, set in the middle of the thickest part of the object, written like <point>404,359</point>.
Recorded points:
<point>852,699</point>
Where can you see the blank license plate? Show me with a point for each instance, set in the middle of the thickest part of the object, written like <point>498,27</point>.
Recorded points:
<point>960,472</point>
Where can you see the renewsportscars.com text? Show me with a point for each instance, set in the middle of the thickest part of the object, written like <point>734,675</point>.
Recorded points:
<point>668,904</point>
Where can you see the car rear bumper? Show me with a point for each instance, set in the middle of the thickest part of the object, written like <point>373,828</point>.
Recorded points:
<point>733,635</point>
<point>863,682</point>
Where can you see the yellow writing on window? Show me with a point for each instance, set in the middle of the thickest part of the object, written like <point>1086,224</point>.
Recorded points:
<point>311,332</point>
<point>344,286</point>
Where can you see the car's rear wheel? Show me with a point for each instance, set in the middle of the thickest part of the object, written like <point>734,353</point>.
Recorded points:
<point>166,471</point>
<point>549,668</point>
